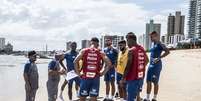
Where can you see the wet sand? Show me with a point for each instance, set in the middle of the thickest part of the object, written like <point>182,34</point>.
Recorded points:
<point>180,78</point>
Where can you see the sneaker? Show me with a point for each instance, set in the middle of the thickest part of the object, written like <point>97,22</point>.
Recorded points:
<point>105,99</point>
<point>116,95</point>
<point>61,97</point>
<point>153,100</point>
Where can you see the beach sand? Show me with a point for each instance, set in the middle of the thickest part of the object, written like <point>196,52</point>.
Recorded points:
<point>180,79</point>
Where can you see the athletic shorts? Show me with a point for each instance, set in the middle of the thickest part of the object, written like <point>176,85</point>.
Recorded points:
<point>153,73</point>
<point>133,88</point>
<point>118,77</point>
<point>109,75</point>
<point>89,87</point>
<point>76,80</point>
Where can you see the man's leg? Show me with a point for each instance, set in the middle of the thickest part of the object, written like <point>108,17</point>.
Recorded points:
<point>84,89</point>
<point>94,91</point>
<point>77,85</point>
<point>70,90</point>
<point>33,94</point>
<point>62,89</point>
<point>149,83</point>
<point>132,89</point>
<point>156,87</point>
<point>107,85</point>
<point>93,98</point>
<point>82,98</point>
<point>112,87</point>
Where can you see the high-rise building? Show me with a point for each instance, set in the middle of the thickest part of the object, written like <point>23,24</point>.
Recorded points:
<point>194,23</point>
<point>150,27</point>
<point>68,45</point>
<point>198,18</point>
<point>85,43</point>
<point>171,25</point>
<point>179,23</point>
<point>175,28</point>
<point>115,39</point>
<point>2,43</point>
<point>142,40</point>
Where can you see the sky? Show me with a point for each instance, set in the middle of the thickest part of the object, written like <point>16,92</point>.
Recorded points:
<point>31,24</point>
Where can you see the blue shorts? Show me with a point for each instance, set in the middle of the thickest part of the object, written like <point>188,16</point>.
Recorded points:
<point>133,88</point>
<point>153,73</point>
<point>118,77</point>
<point>89,87</point>
<point>76,80</point>
<point>109,75</point>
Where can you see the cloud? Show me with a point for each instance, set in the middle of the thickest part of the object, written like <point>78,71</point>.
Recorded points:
<point>53,22</point>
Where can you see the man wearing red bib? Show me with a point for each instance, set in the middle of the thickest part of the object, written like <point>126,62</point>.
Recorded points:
<point>135,68</point>
<point>90,78</point>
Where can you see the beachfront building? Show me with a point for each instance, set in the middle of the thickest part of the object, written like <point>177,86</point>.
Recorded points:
<point>2,43</point>
<point>142,40</point>
<point>150,27</point>
<point>85,43</point>
<point>194,21</point>
<point>68,45</point>
<point>115,39</point>
<point>175,30</point>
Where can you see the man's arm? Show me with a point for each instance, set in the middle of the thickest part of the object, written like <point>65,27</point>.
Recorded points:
<point>62,65</point>
<point>26,70</point>
<point>167,52</point>
<point>54,72</point>
<point>76,62</point>
<point>129,63</point>
<point>107,62</point>
<point>147,59</point>
<point>26,79</point>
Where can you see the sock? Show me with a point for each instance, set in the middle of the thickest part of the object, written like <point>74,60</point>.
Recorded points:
<point>107,96</point>
<point>155,96</point>
<point>112,97</point>
<point>148,96</point>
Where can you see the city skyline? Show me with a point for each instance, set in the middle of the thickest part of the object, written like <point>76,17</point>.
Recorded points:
<point>33,24</point>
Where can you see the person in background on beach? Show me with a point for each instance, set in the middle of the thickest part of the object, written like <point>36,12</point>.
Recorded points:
<point>155,65</point>
<point>91,70</point>
<point>109,77</point>
<point>54,72</point>
<point>135,69</point>
<point>121,65</point>
<point>70,57</point>
<point>31,76</point>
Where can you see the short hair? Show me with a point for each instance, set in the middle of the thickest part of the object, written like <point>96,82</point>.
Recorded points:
<point>131,35</point>
<point>73,43</point>
<point>95,39</point>
<point>153,33</point>
<point>31,53</point>
<point>122,42</point>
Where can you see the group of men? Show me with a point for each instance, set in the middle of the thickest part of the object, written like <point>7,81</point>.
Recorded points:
<point>127,67</point>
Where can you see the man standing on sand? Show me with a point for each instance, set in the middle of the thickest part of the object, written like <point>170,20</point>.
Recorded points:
<point>135,69</point>
<point>31,77</point>
<point>54,72</point>
<point>109,77</point>
<point>90,77</point>
<point>121,65</point>
<point>155,65</point>
<point>70,57</point>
